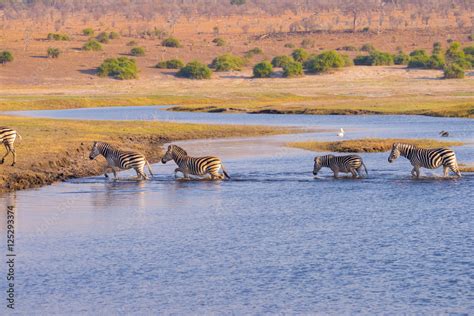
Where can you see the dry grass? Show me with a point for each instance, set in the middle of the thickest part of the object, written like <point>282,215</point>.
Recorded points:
<point>369,145</point>
<point>466,168</point>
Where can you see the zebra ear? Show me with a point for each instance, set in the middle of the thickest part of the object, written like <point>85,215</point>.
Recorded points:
<point>169,147</point>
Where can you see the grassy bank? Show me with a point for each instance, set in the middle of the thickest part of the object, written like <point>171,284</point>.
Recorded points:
<point>466,167</point>
<point>280,103</point>
<point>369,145</point>
<point>54,150</point>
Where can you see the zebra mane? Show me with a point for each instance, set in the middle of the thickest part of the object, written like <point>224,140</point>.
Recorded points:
<point>179,150</point>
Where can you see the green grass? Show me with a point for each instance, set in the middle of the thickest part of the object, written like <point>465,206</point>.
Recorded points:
<point>369,145</point>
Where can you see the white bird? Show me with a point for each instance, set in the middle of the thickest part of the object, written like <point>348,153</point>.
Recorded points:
<point>341,133</point>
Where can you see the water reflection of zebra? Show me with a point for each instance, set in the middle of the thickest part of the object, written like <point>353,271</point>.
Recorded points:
<point>198,166</point>
<point>120,159</point>
<point>345,164</point>
<point>7,137</point>
<point>426,158</point>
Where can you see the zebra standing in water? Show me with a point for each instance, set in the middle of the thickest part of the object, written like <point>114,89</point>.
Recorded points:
<point>345,164</point>
<point>7,137</point>
<point>426,158</point>
<point>120,159</point>
<point>198,166</point>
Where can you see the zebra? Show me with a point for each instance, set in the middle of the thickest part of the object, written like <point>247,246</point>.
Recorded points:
<point>7,137</point>
<point>120,159</point>
<point>345,164</point>
<point>427,158</point>
<point>198,166</point>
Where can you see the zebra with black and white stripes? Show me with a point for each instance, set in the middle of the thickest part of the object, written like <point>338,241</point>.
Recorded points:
<point>426,158</point>
<point>344,164</point>
<point>198,166</point>
<point>117,158</point>
<point>7,137</point>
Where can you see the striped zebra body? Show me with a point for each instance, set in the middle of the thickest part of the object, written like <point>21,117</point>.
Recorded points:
<point>120,159</point>
<point>426,158</point>
<point>344,164</point>
<point>7,137</point>
<point>198,166</point>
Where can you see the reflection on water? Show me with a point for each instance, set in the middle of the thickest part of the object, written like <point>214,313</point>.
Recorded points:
<point>273,239</point>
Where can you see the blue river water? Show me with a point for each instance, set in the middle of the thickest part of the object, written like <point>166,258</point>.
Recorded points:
<point>274,239</point>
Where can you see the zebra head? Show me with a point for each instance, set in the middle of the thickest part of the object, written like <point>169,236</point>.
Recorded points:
<point>172,153</point>
<point>395,153</point>
<point>94,151</point>
<point>319,162</point>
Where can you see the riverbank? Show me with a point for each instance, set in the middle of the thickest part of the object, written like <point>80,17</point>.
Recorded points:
<point>57,150</point>
<point>369,145</point>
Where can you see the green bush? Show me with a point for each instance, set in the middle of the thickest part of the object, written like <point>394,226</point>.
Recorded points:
<point>227,62</point>
<point>367,48</point>
<point>324,62</point>
<point>418,59</point>
<point>253,52</point>
<point>436,48</point>
<point>103,37</point>
<point>58,37</point>
<point>454,54</point>
<point>453,71</point>
<point>114,35</point>
<point>137,51</point>
<point>401,59</point>
<point>120,68</point>
<point>469,50</point>
<point>88,31</point>
<point>300,54</point>
<point>6,57</point>
<point>219,41</point>
<point>307,43</point>
<point>53,52</point>
<point>92,45</point>
<point>262,70</point>
<point>171,42</point>
<point>195,70</point>
<point>375,58</point>
<point>471,37</point>
<point>292,69</point>
<point>289,45</point>
<point>436,62</point>
<point>170,64</point>
<point>418,52</point>
<point>281,61</point>
<point>347,60</point>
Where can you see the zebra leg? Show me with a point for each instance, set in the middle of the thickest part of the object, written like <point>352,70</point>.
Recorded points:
<point>455,169</point>
<point>417,172</point>
<point>354,173</point>
<point>8,151</point>
<point>336,173</point>
<point>445,171</point>
<point>413,172</point>
<point>115,173</point>
<point>14,156</point>
<point>141,174</point>
<point>105,171</point>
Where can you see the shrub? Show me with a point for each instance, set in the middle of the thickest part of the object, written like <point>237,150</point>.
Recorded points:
<point>401,59</point>
<point>436,48</point>
<point>436,62</point>
<point>219,41</point>
<point>227,62</point>
<point>471,37</point>
<point>292,69</point>
<point>281,61</point>
<point>453,71</point>
<point>307,43</point>
<point>92,45</point>
<point>114,35</point>
<point>58,37</point>
<point>348,48</point>
<point>418,59</point>
<point>262,70</point>
<point>171,42</point>
<point>237,2</point>
<point>289,45</point>
<point>300,54</point>
<point>137,51</point>
<point>6,57</point>
<point>53,52</point>
<point>103,37</point>
<point>324,62</point>
<point>120,68</point>
<point>367,48</point>
<point>195,70</point>
<point>418,52</point>
<point>88,31</point>
<point>375,58</point>
<point>132,43</point>
<point>454,54</point>
<point>170,64</point>
<point>347,60</point>
<point>469,50</point>
<point>253,52</point>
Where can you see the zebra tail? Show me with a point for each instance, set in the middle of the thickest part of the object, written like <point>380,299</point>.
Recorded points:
<point>149,168</point>
<point>19,136</point>
<point>225,172</point>
<point>365,168</point>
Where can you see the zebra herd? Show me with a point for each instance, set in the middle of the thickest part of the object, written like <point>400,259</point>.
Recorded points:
<point>210,166</point>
